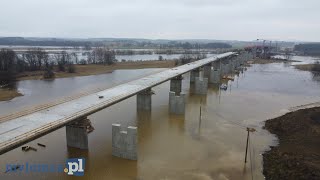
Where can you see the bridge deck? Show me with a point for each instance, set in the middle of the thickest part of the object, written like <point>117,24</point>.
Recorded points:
<point>18,131</point>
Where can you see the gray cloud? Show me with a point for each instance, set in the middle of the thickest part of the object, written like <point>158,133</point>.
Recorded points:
<point>173,19</point>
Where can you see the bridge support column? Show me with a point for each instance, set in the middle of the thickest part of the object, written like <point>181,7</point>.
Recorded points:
<point>176,103</point>
<point>227,68</point>
<point>193,74</point>
<point>206,71</point>
<point>222,71</point>
<point>237,62</point>
<point>201,85</point>
<point>215,76</point>
<point>124,143</point>
<point>216,64</point>
<point>233,66</point>
<point>77,133</point>
<point>176,84</point>
<point>144,100</point>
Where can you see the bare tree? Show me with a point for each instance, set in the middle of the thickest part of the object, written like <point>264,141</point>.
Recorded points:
<point>7,66</point>
<point>104,56</point>
<point>288,54</point>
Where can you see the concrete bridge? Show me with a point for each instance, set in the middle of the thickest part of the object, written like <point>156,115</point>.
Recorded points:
<point>73,114</point>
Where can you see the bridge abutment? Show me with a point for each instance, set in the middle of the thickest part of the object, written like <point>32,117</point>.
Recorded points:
<point>215,76</point>
<point>176,103</point>
<point>176,84</point>
<point>227,68</point>
<point>124,143</point>
<point>193,74</point>
<point>77,133</point>
<point>201,85</point>
<point>206,70</point>
<point>144,100</point>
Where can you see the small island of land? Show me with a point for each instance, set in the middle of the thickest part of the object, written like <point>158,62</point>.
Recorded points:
<point>7,94</point>
<point>309,67</point>
<point>268,61</point>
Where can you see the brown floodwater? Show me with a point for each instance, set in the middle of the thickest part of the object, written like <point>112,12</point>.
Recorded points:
<point>183,147</point>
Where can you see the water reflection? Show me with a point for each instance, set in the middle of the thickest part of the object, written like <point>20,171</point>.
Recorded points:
<point>316,76</point>
<point>144,122</point>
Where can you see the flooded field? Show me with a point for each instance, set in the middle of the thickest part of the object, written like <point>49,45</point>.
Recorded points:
<point>83,54</point>
<point>172,147</point>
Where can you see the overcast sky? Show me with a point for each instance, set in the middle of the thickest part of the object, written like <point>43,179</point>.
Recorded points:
<point>163,19</point>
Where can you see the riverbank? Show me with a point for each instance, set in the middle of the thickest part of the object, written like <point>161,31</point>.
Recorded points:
<point>94,69</point>
<point>8,94</point>
<point>308,67</point>
<point>298,154</point>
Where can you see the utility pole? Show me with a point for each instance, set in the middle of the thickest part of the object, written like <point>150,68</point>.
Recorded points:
<point>248,136</point>
<point>200,118</point>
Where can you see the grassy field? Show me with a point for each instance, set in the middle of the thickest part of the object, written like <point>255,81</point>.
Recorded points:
<point>308,67</point>
<point>93,69</point>
<point>8,94</point>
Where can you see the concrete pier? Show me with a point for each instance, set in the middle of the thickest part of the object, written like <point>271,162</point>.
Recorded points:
<point>227,68</point>
<point>216,65</point>
<point>193,74</point>
<point>215,76</point>
<point>223,70</point>
<point>144,100</point>
<point>176,84</point>
<point>124,143</point>
<point>201,85</point>
<point>237,62</point>
<point>77,134</point>
<point>176,103</point>
<point>206,70</point>
<point>233,66</point>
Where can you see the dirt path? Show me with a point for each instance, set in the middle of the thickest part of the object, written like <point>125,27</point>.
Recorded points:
<point>298,154</point>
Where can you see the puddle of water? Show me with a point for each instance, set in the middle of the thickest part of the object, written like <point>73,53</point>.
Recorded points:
<point>177,147</point>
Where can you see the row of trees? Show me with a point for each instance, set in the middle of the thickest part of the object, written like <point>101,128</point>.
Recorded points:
<point>37,59</point>
<point>308,49</point>
<point>187,58</point>
<point>101,55</point>
<point>7,66</point>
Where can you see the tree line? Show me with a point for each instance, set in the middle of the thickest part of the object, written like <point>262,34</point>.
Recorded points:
<point>37,59</point>
<point>308,49</point>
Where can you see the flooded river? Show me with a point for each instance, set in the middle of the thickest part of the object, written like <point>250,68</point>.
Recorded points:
<point>172,147</point>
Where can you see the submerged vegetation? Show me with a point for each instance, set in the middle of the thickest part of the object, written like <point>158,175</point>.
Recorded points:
<point>309,67</point>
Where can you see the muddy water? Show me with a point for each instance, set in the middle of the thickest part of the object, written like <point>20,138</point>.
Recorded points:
<point>177,147</point>
<point>37,92</point>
